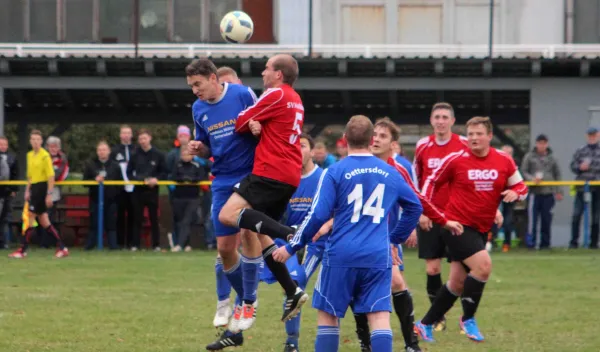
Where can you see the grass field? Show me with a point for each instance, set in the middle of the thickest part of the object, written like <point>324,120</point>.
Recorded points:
<point>165,302</point>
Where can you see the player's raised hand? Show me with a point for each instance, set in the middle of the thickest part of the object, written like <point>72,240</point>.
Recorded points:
<point>255,127</point>
<point>411,241</point>
<point>395,256</point>
<point>499,219</point>
<point>194,147</point>
<point>510,196</point>
<point>425,223</point>
<point>281,255</point>
<point>454,227</point>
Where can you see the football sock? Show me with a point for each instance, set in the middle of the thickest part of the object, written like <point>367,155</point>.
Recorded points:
<point>250,267</point>
<point>381,340</point>
<point>25,239</point>
<point>403,305</point>
<point>328,339</point>
<point>258,222</point>
<point>362,329</point>
<point>434,283</point>
<point>280,271</point>
<point>292,328</point>
<point>235,277</point>
<point>471,296</point>
<point>230,334</point>
<point>443,302</point>
<point>223,285</point>
<point>52,230</point>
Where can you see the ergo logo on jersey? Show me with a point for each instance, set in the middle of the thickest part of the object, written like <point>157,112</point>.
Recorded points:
<point>433,163</point>
<point>482,174</point>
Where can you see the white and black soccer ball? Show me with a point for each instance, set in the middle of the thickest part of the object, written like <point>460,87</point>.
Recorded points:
<point>237,27</point>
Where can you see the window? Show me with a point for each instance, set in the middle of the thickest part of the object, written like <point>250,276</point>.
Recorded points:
<point>153,21</point>
<point>11,21</point>
<point>79,19</point>
<point>187,18</point>
<point>420,24</point>
<point>115,21</point>
<point>363,25</point>
<point>42,21</point>
<point>218,9</point>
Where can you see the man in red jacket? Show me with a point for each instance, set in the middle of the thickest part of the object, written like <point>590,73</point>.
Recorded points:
<point>261,198</point>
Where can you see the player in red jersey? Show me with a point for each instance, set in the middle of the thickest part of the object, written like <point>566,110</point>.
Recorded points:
<point>428,155</point>
<point>478,179</point>
<point>261,198</point>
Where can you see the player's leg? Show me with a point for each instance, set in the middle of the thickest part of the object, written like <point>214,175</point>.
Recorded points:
<point>25,238</point>
<point>403,306</point>
<point>328,333</point>
<point>224,310</point>
<point>44,221</point>
<point>481,267</point>
<point>363,332</point>
<point>251,261</point>
<point>432,250</point>
<point>292,326</point>
<point>332,295</point>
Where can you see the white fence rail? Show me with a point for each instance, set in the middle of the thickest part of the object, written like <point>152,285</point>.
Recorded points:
<point>260,50</point>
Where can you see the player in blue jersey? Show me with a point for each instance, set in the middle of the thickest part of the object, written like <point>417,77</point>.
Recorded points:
<point>297,209</point>
<point>215,113</point>
<point>359,192</point>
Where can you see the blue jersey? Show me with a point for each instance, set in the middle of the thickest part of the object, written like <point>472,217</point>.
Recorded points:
<point>406,164</point>
<point>215,127</point>
<point>359,192</point>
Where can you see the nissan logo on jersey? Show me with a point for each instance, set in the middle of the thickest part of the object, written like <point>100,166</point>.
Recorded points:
<point>485,175</point>
<point>433,163</point>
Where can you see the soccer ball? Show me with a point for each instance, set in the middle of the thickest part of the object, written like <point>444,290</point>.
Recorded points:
<point>237,27</point>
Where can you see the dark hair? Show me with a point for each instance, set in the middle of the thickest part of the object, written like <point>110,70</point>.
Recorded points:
<point>36,132</point>
<point>311,141</point>
<point>480,120</point>
<point>288,67</point>
<point>144,131</point>
<point>391,126</point>
<point>201,67</point>
<point>359,132</point>
<point>442,105</point>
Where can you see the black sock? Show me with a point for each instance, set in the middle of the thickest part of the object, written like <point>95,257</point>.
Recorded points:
<point>280,271</point>
<point>443,302</point>
<point>471,296</point>
<point>258,222</point>
<point>362,329</point>
<point>434,283</point>
<point>25,239</point>
<point>52,230</point>
<point>403,305</point>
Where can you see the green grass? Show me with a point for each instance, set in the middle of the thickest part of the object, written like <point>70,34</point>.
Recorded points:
<point>165,302</point>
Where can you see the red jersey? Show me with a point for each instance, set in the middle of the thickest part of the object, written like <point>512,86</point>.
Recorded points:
<point>429,210</point>
<point>475,186</point>
<point>281,114</point>
<point>428,156</point>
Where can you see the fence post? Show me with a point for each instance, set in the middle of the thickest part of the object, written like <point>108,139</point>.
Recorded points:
<point>100,217</point>
<point>586,214</point>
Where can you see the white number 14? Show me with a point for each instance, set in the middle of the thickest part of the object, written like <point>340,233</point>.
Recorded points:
<point>377,211</point>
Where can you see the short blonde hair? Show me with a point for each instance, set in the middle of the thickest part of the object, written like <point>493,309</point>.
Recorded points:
<point>481,120</point>
<point>226,71</point>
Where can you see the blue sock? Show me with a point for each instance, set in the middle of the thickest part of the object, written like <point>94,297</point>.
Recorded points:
<point>223,285</point>
<point>229,333</point>
<point>250,267</point>
<point>381,340</point>
<point>292,328</point>
<point>328,339</point>
<point>235,277</point>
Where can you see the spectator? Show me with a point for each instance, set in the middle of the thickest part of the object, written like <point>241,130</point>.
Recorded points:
<point>507,210</point>
<point>148,164</point>
<point>586,166</point>
<point>540,165</point>
<point>7,193</point>
<point>61,171</point>
<point>102,168</point>
<point>186,199</point>
<point>183,137</point>
<point>341,148</point>
<point>122,153</point>
<point>322,157</point>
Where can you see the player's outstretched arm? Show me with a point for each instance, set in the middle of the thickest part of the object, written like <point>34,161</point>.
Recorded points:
<point>411,210</point>
<point>320,213</point>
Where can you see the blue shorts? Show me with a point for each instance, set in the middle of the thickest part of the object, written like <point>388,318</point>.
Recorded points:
<point>221,191</point>
<point>312,258</point>
<point>296,270</point>
<point>368,290</point>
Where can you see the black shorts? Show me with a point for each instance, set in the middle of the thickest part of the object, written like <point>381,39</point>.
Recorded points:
<point>431,243</point>
<point>463,246</point>
<point>266,195</point>
<point>37,198</point>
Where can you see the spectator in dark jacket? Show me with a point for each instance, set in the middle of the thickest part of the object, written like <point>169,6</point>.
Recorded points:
<point>586,165</point>
<point>7,193</point>
<point>103,168</point>
<point>540,165</point>
<point>121,153</point>
<point>147,164</point>
<point>186,199</point>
